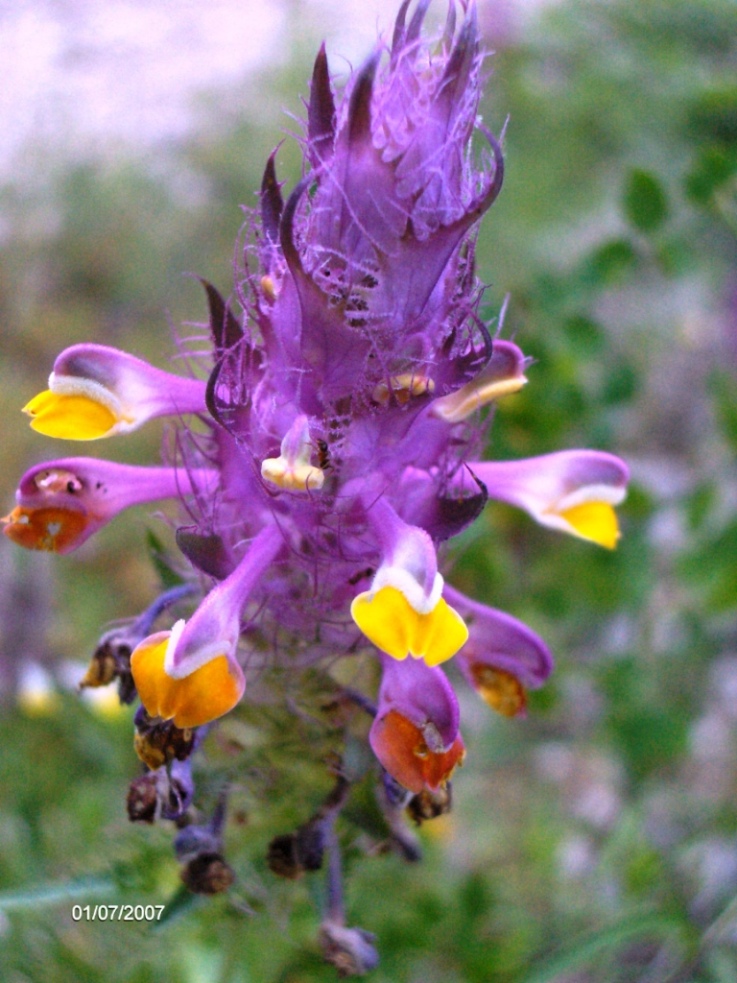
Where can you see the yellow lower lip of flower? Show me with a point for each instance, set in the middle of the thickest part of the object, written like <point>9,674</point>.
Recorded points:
<point>501,690</point>
<point>392,624</point>
<point>204,695</point>
<point>596,521</point>
<point>51,529</point>
<point>69,417</point>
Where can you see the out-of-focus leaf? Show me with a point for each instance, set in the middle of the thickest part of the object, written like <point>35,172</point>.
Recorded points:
<point>722,966</point>
<point>586,336</point>
<point>645,926</point>
<point>713,168</point>
<point>609,264</point>
<point>724,387</point>
<point>181,903</point>
<point>645,201</point>
<point>700,504</point>
<point>621,383</point>
<point>160,560</point>
<point>645,721</point>
<point>711,569</point>
<point>713,114</point>
<point>81,888</point>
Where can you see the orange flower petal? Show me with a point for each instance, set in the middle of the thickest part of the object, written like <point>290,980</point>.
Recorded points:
<point>53,529</point>
<point>204,695</point>
<point>402,749</point>
<point>500,689</point>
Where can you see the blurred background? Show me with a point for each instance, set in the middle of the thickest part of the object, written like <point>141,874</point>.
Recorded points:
<point>593,842</point>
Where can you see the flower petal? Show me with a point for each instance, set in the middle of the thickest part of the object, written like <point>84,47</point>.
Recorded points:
<point>500,689</point>
<point>415,734</point>
<point>206,694</point>
<point>596,521</point>
<point>56,530</point>
<point>394,626</point>
<point>402,749</point>
<point>69,417</point>
<point>292,470</point>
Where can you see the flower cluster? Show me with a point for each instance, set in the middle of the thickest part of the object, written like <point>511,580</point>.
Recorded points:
<point>341,426</point>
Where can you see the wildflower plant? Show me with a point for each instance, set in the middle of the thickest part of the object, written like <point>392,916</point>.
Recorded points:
<point>326,449</point>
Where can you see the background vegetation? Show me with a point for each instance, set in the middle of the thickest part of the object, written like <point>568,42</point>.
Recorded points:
<point>593,842</point>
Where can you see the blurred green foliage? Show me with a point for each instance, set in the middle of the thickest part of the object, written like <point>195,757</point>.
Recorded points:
<point>593,842</point>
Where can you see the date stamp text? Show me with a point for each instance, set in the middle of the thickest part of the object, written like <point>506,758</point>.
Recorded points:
<point>117,912</point>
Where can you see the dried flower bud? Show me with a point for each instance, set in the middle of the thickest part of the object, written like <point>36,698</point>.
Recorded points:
<point>158,742</point>
<point>208,873</point>
<point>430,804</point>
<point>293,854</point>
<point>102,669</point>
<point>143,798</point>
<point>282,857</point>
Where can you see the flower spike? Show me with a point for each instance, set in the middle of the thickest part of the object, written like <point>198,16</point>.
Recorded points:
<point>404,613</point>
<point>572,491</point>
<point>62,503</point>
<point>95,391</point>
<point>191,674</point>
<point>332,452</point>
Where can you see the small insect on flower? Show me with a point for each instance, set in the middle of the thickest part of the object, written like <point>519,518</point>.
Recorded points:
<point>344,416</point>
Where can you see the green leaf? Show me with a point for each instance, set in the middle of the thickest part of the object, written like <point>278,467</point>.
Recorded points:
<point>159,558</point>
<point>645,202</point>
<point>700,505</point>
